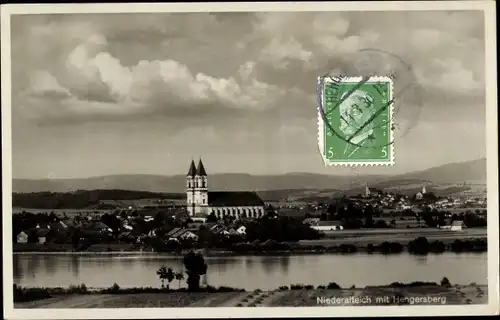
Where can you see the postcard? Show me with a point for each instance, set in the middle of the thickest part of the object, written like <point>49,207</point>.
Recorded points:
<point>249,160</point>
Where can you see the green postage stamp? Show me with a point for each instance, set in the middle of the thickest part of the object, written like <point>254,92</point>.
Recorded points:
<point>355,120</point>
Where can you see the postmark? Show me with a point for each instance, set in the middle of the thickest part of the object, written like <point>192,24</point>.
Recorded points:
<point>355,120</point>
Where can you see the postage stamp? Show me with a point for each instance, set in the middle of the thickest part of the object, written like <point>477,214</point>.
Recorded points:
<point>355,120</point>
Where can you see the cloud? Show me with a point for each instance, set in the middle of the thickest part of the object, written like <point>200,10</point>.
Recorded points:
<point>101,67</point>
<point>92,82</point>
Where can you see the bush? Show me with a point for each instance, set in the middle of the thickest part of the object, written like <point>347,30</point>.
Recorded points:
<point>284,288</point>
<point>347,248</point>
<point>370,248</point>
<point>412,284</point>
<point>445,282</point>
<point>437,247</point>
<point>321,287</point>
<point>81,289</point>
<point>115,288</point>
<point>419,246</point>
<point>29,294</point>
<point>390,247</point>
<point>296,286</point>
<point>333,285</point>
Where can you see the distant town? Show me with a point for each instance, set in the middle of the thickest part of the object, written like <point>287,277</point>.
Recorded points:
<point>127,220</point>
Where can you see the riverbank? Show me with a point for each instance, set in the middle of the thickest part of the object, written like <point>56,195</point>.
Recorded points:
<point>420,245</point>
<point>294,296</point>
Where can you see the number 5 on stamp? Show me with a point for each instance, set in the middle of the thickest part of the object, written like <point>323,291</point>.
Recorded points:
<point>355,116</point>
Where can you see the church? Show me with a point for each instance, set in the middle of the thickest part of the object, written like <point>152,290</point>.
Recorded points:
<point>201,202</point>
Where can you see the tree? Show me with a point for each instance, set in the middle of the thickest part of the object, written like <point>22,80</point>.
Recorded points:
<point>165,274</point>
<point>393,223</point>
<point>195,267</point>
<point>179,276</point>
<point>212,218</point>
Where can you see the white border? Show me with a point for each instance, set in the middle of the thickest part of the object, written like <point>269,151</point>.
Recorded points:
<point>321,123</point>
<point>279,312</point>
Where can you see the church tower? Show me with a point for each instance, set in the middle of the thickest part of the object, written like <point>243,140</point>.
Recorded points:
<point>200,190</point>
<point>190,187</point>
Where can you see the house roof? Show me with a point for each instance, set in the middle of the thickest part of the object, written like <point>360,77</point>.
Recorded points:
<point>68,222</point>
<point>173,231</point>
<point>234,199</point>
<point>192,169</point>
<point>42,232</point>
<point>100,225</point>
<point>186,232</point>
<point>329,223</point>
<point>210,225</point>
<point>42,225</point>
<point>179,233</point>
<point>58,226</point>
<point>457,223</point>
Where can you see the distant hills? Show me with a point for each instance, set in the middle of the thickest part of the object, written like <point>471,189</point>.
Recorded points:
<point>454,173</point>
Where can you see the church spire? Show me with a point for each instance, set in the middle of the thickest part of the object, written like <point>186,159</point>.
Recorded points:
<point>192,169</point>
<point>201,169</point>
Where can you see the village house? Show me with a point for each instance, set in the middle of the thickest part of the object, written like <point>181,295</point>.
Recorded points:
<point>179,234</point>
<point>242,230</point>
<point>59,227</point>
<point>22,237</point>
<point>217,228</point>
<point>42,235</point>
<point>328,226</point>
<point>456,225</point>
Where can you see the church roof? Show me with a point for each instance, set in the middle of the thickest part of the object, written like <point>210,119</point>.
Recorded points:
<point>234,199</point>
<point>192,169</point>
<point>201,169</point>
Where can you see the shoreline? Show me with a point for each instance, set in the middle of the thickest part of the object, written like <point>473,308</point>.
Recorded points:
<point>417,246</point>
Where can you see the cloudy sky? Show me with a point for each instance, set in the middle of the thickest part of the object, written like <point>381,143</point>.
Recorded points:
<point>100,94</point>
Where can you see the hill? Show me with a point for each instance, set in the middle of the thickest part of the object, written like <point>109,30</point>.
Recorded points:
<point>454,173</point>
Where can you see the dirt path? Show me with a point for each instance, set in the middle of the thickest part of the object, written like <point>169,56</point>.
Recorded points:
<point>229,299</point>
<point>74,301</point>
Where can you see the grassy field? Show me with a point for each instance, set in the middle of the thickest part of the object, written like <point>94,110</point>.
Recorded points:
<point>403,236</point>
<point>455,295</point>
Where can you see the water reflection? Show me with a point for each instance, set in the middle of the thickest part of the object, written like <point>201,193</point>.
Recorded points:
<point>284,263</point>
<point>421,259</point>
<point>50,265</point>
<point>17,268</point>
<point>75,266</point>
<point>251,272</point>
<point>269,264</point>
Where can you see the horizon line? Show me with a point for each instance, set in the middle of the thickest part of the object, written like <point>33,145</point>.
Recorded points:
<point>248,174</point>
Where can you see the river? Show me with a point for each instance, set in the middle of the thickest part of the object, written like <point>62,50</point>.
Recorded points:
<point>250,272</point>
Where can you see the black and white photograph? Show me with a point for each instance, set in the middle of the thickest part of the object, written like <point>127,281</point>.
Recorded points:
<point>167,157</point>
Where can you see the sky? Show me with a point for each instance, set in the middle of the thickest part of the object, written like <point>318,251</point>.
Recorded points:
<point>102,94</point>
